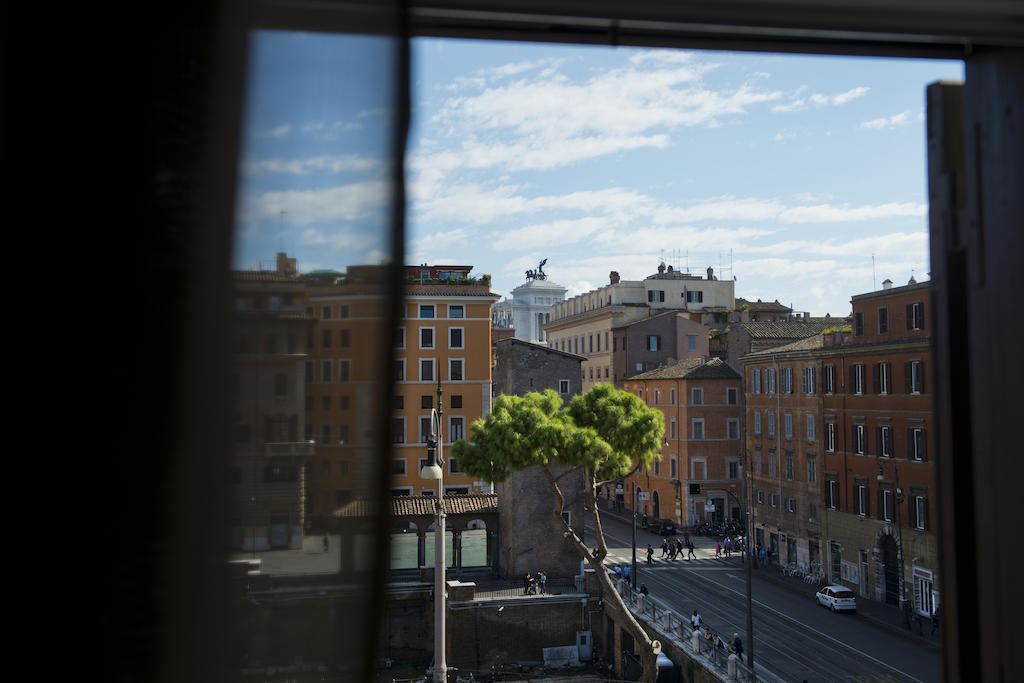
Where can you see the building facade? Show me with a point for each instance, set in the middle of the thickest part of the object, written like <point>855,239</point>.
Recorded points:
<point>701,403</point>
<point>879,478</point>
<point>583,324</point>
<point>270,459</point>
<point>783,438</point>
<point>444,334</point>
<point>529,309</point>
<point>663,338</point>
<point>837,426</point>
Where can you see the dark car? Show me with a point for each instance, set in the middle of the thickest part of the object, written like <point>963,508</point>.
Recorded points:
<point>665,527</point>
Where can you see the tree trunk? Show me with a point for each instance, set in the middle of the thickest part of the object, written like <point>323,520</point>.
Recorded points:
<point>645,645</point>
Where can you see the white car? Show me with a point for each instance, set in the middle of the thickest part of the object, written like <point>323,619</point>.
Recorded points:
<point>837,597</point>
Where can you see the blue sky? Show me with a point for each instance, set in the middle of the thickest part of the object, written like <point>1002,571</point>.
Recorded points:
<point>793,169</point>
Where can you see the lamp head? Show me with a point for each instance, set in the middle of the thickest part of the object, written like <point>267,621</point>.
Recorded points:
<point>432,470</point>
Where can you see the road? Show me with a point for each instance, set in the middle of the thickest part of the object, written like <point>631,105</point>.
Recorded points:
<point>794,638</point>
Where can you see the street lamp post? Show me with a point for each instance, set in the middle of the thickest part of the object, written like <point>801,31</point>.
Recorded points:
<point>433,470</point>
<point>898,497</point>
<point>632,573</point>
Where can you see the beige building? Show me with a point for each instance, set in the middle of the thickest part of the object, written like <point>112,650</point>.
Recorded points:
<point>583,324</point>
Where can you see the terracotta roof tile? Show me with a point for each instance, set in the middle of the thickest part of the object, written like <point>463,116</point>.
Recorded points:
<point>414,506</point>
<point>764,329</point>
<point>691,368</point>
<point>806,344</point>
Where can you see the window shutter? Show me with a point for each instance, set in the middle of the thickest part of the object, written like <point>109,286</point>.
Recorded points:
<point>878,440</point>
<point>853,438</point>
<point>910,316</point>
<point>888,442</point>
<point>920,372</point>
<point>910,443</point>
<point>876,370</point>
<point>907,378</point>
<point>920,315</point>
<point>853,380</point>
<point>924,514</point>
<point>924,445</point>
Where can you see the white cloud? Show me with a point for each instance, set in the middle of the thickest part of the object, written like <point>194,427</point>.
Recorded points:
<point>844,97</point>
<point>894,121</point>
<point>320,130</point>
<point>302,207</point>
<point>342,240</point>
<point>827,213</point>
<point>821,100</point>
<point>551,120</point>
<point>333,164</point>
<point>279,133</point>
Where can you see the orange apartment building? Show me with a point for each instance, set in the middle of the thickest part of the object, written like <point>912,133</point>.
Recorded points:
<point>879,478</point>
<point>445,334</point>
<point>784,441</point>
<point>838,426</point>
<point>701,402</point>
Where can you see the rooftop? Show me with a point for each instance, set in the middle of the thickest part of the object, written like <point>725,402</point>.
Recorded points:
<point>690,368</point>
<point>511,341</point>
<point>413,506</point>
<point>797,329</point>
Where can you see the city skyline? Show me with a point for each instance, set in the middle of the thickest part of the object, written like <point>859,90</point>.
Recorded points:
<point>802,177</point>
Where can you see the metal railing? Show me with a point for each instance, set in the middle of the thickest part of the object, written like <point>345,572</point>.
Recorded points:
<point>714,652</point>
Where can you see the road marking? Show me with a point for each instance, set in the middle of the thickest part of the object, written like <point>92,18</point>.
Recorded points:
<point>820,633</point>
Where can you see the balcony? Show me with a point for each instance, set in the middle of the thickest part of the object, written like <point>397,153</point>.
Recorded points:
<point>289,448</point>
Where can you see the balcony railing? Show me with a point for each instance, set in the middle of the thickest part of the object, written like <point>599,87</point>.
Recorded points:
<point>289,448</point>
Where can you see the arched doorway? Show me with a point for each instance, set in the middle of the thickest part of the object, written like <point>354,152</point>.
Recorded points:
<point>890,568</point>
<point>656,504</point>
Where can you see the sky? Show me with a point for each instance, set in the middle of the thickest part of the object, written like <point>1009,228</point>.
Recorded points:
<point>802,177</point>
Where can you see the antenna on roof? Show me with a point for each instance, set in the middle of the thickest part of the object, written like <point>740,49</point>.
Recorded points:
<point>873,285</point>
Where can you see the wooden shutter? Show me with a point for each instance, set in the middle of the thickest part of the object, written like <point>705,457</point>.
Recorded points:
<point>878,440</point>
<point>907,378</point>
<point>876,370</point>
<point>920,374</point>
<point>910,443</point>
<point>910,316</point>
<point>853,380</point>
<point>919,320</point>
<point>924,445</point>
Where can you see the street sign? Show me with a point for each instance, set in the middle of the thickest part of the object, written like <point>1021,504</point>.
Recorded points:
<point>709,507</point>
<point>644,495</point>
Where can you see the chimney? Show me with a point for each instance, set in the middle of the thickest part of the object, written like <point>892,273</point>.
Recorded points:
<point>661,269</point>
<point>711,273</point>
<point>886,283</point>
<point>670,268</point>
<point>613,277</point>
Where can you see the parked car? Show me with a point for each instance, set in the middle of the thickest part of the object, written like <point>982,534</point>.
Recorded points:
<point>837,597</point>
<point>665,527</point>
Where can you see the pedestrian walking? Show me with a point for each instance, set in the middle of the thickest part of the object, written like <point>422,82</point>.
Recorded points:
<point>664,547</point>
<point>695,620</point>
<point>689,547</point>
<point>764,557</point>
<point>543,580</point>
<point>527,582</point>
<point>643,589</point>
<point>718,550</point>
<point>736,645</point>
<point>625,572</point>
<point>644,520</point>
<point>728,547</point>
<point>650,554</point>
<point>671,551</point>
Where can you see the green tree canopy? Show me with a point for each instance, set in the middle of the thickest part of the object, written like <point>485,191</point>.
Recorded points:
<point>606,430</point>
